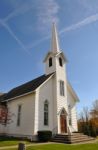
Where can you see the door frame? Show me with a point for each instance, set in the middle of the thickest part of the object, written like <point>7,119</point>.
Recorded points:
<point>63,119</point>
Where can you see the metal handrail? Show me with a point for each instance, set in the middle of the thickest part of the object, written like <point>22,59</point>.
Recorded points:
<point>54,131</point>
<point>69,131</point>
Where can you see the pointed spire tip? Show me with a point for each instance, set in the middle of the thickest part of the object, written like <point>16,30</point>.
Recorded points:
<point>55,41</point>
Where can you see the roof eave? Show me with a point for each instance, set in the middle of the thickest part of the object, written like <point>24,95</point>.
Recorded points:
<point>10,99</point>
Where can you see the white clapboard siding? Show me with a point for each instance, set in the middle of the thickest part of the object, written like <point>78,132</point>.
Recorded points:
<point>72,103</point>
<point>27,116</point>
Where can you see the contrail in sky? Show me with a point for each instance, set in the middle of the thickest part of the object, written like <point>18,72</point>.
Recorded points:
<point>14,36</point>
<point>84,22</point>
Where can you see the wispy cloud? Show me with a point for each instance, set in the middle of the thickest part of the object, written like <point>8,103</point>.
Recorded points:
<point>19,10</point>
<point>47,13</point>
<point>84,22</point>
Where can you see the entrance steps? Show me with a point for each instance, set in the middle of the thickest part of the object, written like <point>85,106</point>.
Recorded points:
<point>74,138</point>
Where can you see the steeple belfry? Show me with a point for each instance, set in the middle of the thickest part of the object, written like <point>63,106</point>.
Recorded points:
<point>55,41</point>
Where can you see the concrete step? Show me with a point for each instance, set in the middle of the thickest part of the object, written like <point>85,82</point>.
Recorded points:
<point>75,138</point>
<point>81,141</point>
<point>60,141</point>
<point>83,136</point>
<point>73,141</point>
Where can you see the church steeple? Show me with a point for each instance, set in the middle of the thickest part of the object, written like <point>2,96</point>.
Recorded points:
<point>55,59</point>
<point>55,41</point>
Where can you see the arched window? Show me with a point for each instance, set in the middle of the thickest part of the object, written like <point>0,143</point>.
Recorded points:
<point>60,61</point>
<point>50,61</point>
<point>46,112</point>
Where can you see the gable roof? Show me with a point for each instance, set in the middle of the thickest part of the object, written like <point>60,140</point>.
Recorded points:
<point>25,88</point>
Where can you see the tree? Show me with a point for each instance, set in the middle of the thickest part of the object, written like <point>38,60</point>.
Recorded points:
<point>5,115</point>
<point>83,123</point>
<point>94,116</point>
<point>88,122</point>
<point>94,111</point>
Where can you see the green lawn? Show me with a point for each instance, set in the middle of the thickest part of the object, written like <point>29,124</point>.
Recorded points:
<point>54,146</point>
<point>65,147</point>
<point>10,142</point>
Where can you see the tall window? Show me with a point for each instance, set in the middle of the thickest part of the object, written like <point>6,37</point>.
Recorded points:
<point>19,115</point>
<point>62,88</point>
<point>60,61</point>
<point>69,110</point>
<point>46,113</point>
<point>50,61</point>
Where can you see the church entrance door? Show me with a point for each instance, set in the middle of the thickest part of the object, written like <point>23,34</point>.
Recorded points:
<point>63,122</point>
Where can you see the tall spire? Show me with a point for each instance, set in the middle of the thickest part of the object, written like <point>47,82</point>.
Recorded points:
<point>55,42</point>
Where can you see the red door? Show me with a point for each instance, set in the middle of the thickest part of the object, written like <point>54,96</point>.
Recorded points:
<point>63,124</point>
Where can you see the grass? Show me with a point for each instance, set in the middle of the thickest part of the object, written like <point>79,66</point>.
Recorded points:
<point>93,146</point>
<point>10,149</point>
<point>11,142</point>
<point>65,147</point>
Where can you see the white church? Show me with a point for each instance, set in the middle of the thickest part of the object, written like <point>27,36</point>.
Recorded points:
<point>45,103</point>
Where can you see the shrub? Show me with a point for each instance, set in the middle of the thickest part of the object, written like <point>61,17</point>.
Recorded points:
<point>93,130</point>
<point>44,136</point>
<point>87,128</point>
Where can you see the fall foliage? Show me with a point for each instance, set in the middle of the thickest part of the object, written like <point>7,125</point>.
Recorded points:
<point>88,122</point>
<point>5,115</point>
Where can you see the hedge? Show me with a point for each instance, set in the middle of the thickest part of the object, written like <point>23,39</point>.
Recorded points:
<point>44,136</point>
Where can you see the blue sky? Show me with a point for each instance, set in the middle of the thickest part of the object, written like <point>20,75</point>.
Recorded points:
<point>25,30</point>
